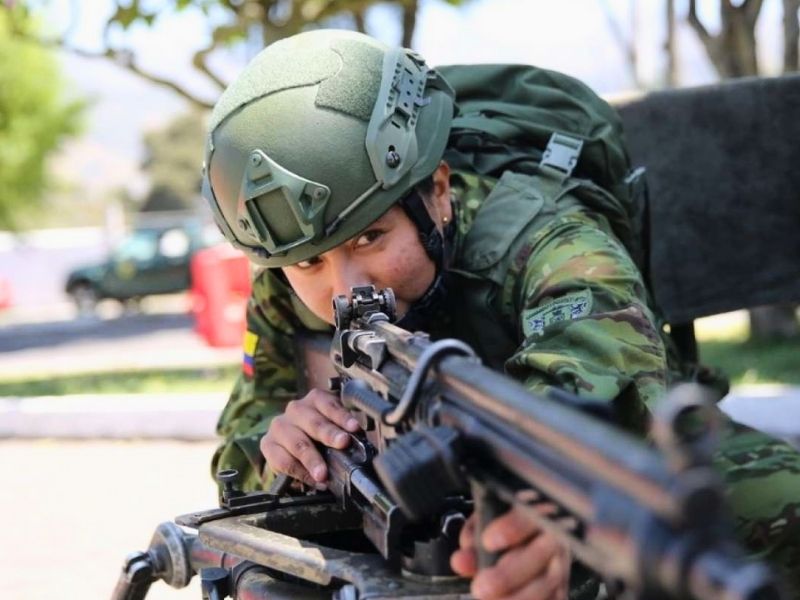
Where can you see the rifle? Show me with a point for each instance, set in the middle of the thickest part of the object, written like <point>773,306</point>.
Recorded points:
<point>444,436</point>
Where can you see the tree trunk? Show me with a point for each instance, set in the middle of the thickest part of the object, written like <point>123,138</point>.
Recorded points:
<point>791,36</point>
<point>627,43</point>
<point>360,21</point>
<point>670,47</point>
<point>774,322</point>
<point>733,51</point>
<point>739,39</point>
<point>409,22</point>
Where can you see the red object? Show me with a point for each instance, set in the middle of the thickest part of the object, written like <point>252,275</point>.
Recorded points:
<point>6,296</point>
<point>220,289</point>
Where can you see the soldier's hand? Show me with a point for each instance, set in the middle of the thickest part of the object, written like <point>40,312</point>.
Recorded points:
<point>533,565</point>
<point>288,445</point>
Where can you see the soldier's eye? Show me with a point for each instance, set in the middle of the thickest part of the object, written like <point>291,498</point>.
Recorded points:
<point>307,264</point>
<point>368,237</point>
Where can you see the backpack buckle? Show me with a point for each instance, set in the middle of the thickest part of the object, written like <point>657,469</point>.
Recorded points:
<point>562,153</point>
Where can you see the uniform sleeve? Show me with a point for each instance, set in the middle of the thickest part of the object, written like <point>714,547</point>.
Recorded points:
<point>266,383</point>
<point>584,320</point>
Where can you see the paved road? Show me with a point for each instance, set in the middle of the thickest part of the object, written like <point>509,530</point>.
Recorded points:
<point>72,511</point>
<point>51,335</point>
<point>162,337</point>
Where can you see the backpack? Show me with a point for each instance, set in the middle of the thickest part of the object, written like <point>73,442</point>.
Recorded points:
<point>518,117</point>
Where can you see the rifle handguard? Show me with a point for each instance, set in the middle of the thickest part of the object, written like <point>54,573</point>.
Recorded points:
<point>420,469</point>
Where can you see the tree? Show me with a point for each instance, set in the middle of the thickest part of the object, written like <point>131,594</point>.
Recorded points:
<point>791,36</point>
<point>732,51</point>
<point>233,21</point>
<point>173,156</point>
<point>626,41</point>
<point>35,117</point>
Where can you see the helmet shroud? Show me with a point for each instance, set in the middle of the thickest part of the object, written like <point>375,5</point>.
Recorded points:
<point>318,137</point>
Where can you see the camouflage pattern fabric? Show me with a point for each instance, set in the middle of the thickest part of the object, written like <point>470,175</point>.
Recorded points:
<point>261,393</point>
<point>575,305</point>
<point>763,488</point>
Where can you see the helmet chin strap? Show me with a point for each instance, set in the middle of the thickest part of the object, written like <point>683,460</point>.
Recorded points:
<point>430,237</point>
<point>437,247</point>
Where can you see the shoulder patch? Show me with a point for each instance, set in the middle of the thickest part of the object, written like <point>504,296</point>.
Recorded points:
<point>250,343</point>
<point>565,308</point>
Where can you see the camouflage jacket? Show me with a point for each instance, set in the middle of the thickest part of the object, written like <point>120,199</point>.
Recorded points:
<point>538,284</point>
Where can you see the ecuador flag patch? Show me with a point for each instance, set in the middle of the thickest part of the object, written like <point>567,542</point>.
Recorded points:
<point>250,344</point>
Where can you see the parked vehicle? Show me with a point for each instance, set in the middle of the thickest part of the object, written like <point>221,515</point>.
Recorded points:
<point>151,260</point>
<point>6,295</point>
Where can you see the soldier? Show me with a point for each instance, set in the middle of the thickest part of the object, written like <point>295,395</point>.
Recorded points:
<point>325,165</point>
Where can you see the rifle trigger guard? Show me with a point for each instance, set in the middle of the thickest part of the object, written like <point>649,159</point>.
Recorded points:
<point>431,354</point>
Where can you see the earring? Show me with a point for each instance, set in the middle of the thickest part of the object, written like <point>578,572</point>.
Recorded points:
<point>445,220</point>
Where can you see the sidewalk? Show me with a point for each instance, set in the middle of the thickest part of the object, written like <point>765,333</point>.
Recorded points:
<point>774,409</point>
<point>110,416</point>
<point>152,340</point>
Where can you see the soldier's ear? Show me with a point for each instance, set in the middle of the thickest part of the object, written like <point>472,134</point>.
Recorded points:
<point>442,212</point>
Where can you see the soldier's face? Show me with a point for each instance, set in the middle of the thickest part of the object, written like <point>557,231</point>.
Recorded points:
<point>387,254</point>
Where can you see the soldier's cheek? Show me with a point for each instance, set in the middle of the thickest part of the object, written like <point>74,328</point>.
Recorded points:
<point>412,275</point>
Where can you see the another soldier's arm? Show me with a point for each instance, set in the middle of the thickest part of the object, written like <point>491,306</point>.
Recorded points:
<point>583,319</point>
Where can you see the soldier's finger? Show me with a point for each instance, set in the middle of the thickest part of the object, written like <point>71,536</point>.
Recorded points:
<point>517,567</point>
<point>551,586</point>
<point>317,426</point>
<point>466,538</point>
<point>509,529</point>
<point>329,405</point>
<point>280,461</point>
<point>300,447</point>
<point>464,562</point>
<point>538,589</point>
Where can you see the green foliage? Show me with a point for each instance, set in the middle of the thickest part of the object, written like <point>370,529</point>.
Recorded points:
<point>35,117</point>
<point>173,156</point>
<point>126,15</point>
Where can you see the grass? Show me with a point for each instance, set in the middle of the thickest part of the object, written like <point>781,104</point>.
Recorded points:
<point>152,381</point>
<point>750,362</point>
<point>724,343</point>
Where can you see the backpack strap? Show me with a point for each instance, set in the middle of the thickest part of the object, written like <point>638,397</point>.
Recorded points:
<point>559,160</point>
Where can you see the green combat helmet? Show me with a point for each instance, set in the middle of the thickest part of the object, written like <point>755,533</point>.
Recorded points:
<point>317,138</point>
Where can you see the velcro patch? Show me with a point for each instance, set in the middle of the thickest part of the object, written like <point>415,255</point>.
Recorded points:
<point>566,308</point>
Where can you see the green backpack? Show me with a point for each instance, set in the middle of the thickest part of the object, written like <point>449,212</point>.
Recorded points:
<point>516,117</point>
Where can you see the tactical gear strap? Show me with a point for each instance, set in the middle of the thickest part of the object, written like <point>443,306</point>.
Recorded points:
<point>561,156</point>
<point>429,235</point>
<point>420,313</point>
<point>437,247</point>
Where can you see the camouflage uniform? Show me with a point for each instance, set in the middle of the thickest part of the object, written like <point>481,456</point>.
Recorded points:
<point>542,288</point>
